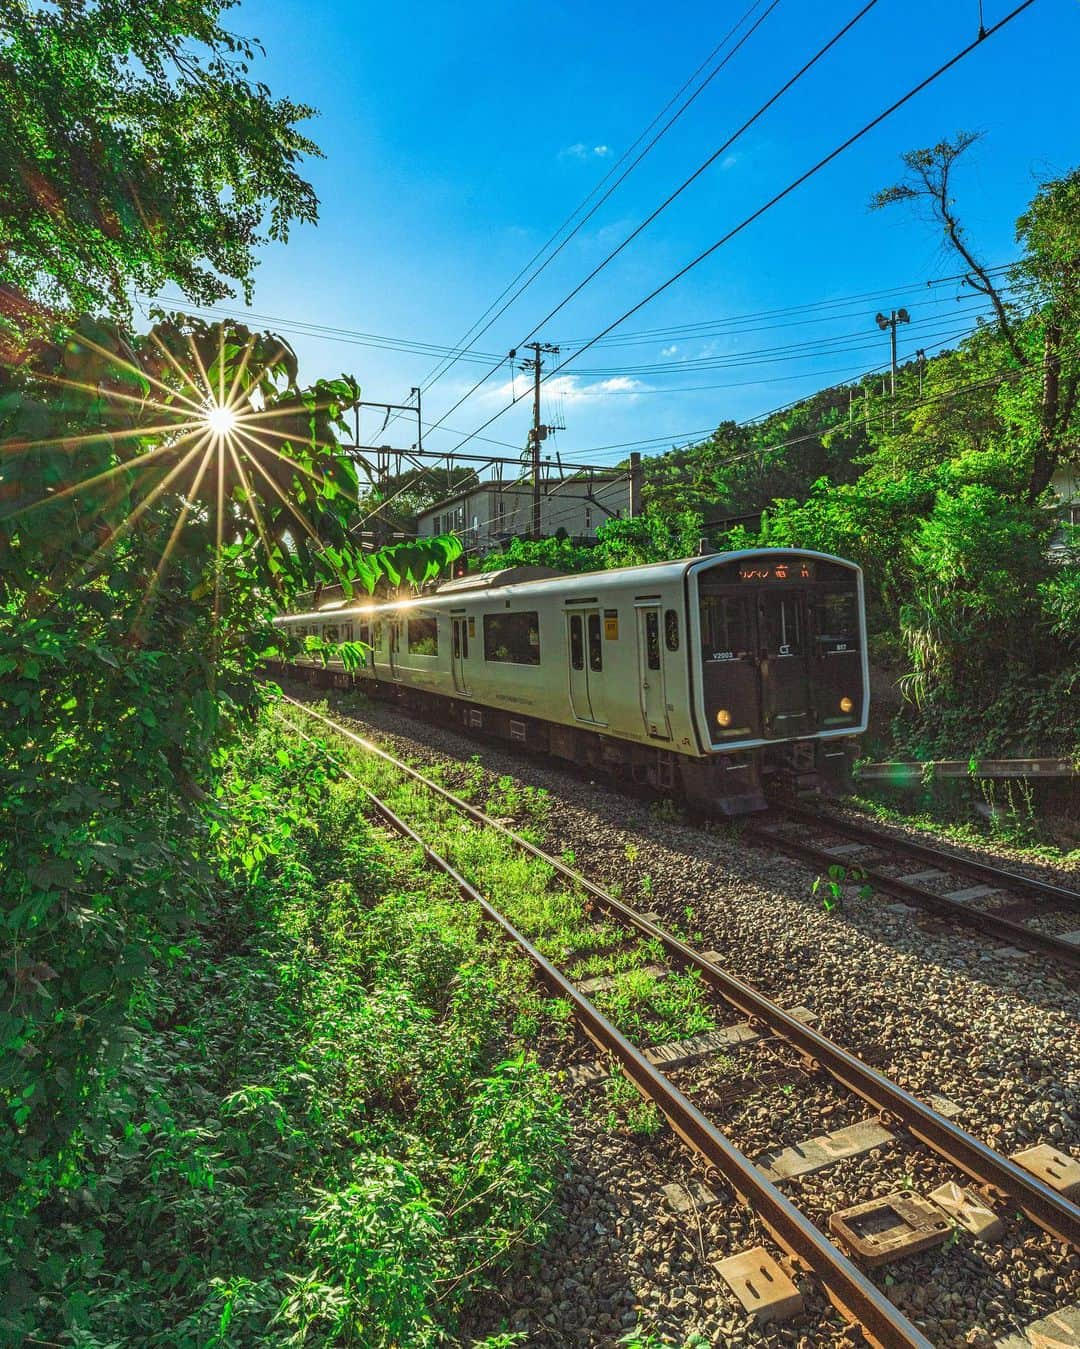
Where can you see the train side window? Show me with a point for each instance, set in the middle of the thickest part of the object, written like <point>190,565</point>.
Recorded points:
<point>596,649</point>
<point>464,639</point>
<point>725,628</point>
<point>652,639</point>
<point>455,628</point>
<point>577,642</point>
<point>330,633</point>
<point>346,632</point>
<point>513,637</point>
<point>671,629</point>
<point>423,635</point>
<point>837,621</point>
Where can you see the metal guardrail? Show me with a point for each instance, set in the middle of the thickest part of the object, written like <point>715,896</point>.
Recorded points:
<point>914,771</point>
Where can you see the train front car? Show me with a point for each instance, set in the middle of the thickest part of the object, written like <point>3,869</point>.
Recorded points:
<point>783,678</point>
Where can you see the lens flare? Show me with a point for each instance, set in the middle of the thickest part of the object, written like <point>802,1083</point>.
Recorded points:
<point>221,420</point>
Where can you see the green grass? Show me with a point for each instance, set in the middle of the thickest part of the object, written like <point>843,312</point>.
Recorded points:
<point>328,1128</point>
<point>559,919</point>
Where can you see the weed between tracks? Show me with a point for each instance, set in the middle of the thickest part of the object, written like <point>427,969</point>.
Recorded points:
<point>558,919</point>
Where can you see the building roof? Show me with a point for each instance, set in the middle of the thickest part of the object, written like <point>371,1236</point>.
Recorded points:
<point>491,485</point>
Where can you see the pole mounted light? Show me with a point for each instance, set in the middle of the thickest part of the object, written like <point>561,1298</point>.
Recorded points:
<point>896,316</point>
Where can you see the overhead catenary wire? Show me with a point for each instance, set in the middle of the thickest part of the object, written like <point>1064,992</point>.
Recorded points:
<point>727,144</point>
<point>781,195</point>
<point>441,368</point>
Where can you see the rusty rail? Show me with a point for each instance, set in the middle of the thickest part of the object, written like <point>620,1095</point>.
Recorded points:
<point>854,1295</point>
<point>1016,934</point>
<point>987,871</point>
<point>1048,1209</point>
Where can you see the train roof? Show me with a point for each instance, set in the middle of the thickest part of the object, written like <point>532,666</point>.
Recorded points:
<point>510,582</point>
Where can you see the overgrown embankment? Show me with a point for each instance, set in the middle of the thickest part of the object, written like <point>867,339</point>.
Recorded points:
<point>324,1128</point>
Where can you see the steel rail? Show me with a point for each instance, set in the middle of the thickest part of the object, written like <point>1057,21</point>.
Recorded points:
<point>850,1291</point>
<point>1017,934</point>
<point>986,871</point>
<point>1044,1206</point>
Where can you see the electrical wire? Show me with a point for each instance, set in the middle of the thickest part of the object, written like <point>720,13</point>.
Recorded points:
<point>784,192</point>
<point>441,369</point>
<point>727,144</point>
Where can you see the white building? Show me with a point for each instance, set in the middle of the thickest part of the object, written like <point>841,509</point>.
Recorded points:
<point>489,514</point>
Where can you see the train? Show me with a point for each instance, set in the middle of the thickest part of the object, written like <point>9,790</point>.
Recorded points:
<point>702,678</point>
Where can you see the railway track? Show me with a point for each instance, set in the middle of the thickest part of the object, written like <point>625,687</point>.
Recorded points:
<point>991,899</point>
<point>898,1116</point>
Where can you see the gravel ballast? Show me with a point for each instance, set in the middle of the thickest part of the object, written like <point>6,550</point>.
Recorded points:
<point>935,1009</point>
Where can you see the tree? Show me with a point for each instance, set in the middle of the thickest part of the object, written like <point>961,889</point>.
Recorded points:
<point>1041,346</point>
<point>135,150</point>
<point>162,496</point>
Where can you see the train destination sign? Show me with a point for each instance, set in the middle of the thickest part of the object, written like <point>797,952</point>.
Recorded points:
<point>799,570</point>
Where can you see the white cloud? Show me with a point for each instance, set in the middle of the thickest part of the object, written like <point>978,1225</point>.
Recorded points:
<point>579,150</point>
<point>573,389</point>
<point>669,351</point>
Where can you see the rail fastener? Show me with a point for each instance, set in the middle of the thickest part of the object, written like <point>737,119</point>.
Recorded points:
<point>850,1291</point>
<point>1051,1211</point>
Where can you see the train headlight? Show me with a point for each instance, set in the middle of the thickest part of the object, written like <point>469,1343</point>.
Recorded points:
<point>723,717</point>
<point>846,705</point>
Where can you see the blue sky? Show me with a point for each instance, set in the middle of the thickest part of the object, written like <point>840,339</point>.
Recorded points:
<point>457,138</point>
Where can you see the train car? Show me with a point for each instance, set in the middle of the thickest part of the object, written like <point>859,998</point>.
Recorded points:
<point>700,677</point>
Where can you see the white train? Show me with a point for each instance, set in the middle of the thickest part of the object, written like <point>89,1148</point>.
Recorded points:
<point>700,676</point>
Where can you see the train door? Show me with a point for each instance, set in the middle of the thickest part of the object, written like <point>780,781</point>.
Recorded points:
<point>783,655</point>
<point>459,652</point>
<point>651,672</point>
<point>585,645</point>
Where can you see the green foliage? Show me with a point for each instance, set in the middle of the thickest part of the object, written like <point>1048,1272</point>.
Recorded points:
<point>136,150</point>
<point>305,1140</point>
<point>136,601</point>
<point>654,537</point>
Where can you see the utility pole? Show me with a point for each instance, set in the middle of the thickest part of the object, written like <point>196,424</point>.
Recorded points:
<point>537,432</point>
<point>895,317</point>
<point>635,484</point>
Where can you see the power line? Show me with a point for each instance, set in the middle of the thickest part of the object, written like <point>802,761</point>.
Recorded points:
<point>782,194</point>
<point>442,367</point>
<point>684,185</point>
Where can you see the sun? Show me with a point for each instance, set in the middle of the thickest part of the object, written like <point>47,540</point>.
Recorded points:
<point>220,420</point>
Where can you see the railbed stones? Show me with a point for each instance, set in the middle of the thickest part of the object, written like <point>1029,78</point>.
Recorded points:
<point>939,1012</point>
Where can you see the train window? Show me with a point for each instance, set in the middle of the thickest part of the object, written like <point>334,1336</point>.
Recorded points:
<point>346,632</point>
<point>596,649</point>
<point>513,637</point>
<point>423,636</point>
<point>781,617</point>
<point>725,627</point>
<point>837,620</point>
<point>330,633</point>
<point>464,639</point>
<point>455,629</point>
<point>577,642</point>
<point>671,629</point>
<point>652,639</point>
